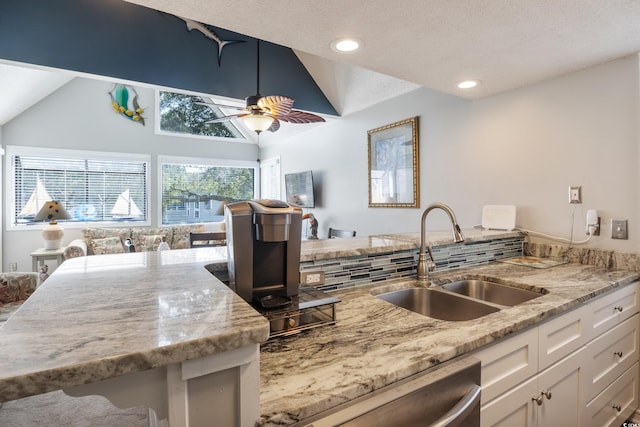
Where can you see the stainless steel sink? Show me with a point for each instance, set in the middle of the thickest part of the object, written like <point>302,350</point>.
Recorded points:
<point>438,304</point>
<point>491,291</point>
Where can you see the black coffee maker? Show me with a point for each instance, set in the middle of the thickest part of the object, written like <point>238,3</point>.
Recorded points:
<point>263,243</point>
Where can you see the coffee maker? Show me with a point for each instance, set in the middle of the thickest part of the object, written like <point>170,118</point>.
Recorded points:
<point>263,246</point>
<point>263,241</point>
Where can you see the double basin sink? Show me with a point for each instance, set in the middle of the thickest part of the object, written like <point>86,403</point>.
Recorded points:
<point>460,300</point>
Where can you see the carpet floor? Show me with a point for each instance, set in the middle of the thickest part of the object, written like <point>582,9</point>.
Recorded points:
<point>56,409</point>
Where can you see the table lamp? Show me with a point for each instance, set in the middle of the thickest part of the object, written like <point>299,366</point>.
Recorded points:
<point>52,233</point>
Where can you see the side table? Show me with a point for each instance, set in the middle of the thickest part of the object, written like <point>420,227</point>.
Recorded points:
<point>40,255</point>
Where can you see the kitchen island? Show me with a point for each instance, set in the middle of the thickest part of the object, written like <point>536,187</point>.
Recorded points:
<point>141,329</point>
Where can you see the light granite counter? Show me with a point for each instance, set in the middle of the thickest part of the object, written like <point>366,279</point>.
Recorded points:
<point>102,317</point>
<point>106,316</point>
<point>375,343</point>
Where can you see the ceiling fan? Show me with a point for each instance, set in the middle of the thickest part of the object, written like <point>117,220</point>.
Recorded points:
<point>266,112</point>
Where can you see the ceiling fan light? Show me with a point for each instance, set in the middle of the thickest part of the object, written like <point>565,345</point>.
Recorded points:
<point>258,122</point>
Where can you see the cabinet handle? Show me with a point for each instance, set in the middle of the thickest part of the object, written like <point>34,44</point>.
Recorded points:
<point>618,308</point>
<point>618,353</point>
<point>617,407</point>
<point>538,400</point>
<point>546,394</point>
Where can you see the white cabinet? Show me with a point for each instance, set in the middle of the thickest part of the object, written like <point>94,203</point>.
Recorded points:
<point>610,355</point>
<point>508,363</point>
<point>579,368</point>
<point>550,398</point>
<point>613,406</point>
<point>562,335</point>
<point>611,309</point>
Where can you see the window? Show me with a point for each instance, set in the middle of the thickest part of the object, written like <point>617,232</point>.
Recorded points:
<point>92,186</point>
<point>196,190</point>
<point>270,178</point>
<point>186,114</point>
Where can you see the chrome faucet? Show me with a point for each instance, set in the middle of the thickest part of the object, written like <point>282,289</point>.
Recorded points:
<point>424,265</point>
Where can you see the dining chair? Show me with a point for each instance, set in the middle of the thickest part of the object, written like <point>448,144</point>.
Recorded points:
<point>334,232</point>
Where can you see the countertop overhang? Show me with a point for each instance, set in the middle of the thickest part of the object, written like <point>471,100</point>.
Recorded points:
<point>99,317</point>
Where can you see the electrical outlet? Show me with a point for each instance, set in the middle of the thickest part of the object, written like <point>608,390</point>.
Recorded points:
<point>619,229</point>
<point>312,278</point>
<point>574,194</point>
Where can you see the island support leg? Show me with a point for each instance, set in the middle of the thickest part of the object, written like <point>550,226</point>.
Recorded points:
<point>223,388</point>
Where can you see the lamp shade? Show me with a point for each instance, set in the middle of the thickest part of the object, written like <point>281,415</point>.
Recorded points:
<point>53,233</point>
<point>258,122</point>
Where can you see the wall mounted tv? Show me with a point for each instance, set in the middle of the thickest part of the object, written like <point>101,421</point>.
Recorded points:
<point>299,189</point>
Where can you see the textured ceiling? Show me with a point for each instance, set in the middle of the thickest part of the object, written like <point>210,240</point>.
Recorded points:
<point>436,43</point>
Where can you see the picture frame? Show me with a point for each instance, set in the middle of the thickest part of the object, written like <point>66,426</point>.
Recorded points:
<point>393,165</point>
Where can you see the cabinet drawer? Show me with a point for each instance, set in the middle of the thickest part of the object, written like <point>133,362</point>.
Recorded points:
<point>508,363</point>
<point>562,335</point>
<point>610,355</point>
<point>613,308</point>
<point>616,403</point>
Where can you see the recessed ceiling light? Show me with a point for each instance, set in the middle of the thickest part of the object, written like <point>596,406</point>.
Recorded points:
<point>468,84</point>
<point>348,44</point>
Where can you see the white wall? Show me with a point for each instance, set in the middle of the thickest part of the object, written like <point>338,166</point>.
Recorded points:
<point>524,147</point>
<point>79,116</point>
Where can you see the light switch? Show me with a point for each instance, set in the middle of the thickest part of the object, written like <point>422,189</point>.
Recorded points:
<point>619,229</point>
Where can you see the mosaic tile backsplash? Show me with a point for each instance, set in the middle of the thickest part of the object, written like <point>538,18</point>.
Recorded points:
<point>357,270</point>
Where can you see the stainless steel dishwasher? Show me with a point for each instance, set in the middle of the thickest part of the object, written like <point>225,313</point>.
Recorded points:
<point>448,395</point>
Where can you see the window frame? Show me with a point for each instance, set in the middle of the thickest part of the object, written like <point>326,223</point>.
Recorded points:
<point>246,138</point>
<point>62,153</point>
<point>201,161</point>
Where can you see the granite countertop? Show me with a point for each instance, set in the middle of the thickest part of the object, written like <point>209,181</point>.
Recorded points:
<point>338,248</point>
<point>375,343</point>
<point>99,317</point>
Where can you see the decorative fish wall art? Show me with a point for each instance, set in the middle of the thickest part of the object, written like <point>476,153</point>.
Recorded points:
<point>124,100</point>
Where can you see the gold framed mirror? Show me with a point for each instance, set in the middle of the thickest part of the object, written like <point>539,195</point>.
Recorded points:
<point>393,165</point>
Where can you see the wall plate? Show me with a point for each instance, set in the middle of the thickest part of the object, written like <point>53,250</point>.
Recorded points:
<point>575,194</point>
<point>619,229</point>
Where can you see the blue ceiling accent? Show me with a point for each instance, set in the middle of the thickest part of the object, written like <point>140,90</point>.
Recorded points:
<point>121,40</point>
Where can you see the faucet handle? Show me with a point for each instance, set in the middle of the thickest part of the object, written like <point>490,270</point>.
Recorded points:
<point>431,263</point>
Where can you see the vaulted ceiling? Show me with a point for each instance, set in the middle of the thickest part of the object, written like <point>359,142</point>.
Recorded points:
<point>432,43</point>
<point>505,44</point>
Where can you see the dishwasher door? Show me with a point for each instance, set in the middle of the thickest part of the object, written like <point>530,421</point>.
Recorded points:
<point>448,395</point>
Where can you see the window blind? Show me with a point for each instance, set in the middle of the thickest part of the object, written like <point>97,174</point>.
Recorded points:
<point>90,189</point>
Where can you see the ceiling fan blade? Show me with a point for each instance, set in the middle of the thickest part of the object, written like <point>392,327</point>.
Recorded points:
<point>296,116</point>
<point>225,118</point>
<point>276,105</point>
<point>210,104</point>
<point>274,126</point>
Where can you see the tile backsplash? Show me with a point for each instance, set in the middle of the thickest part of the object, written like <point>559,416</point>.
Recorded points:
<point>357,270</point>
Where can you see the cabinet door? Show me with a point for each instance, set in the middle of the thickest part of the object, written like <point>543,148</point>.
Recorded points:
<point>610,355</point>
<point>559,388</point>
<point>508,363</point>
<point>613,308</point>
<point>561,336</point>
<point>514,408</point>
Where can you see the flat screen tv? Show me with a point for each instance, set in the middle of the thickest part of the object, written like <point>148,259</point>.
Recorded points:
<point>299,189</point>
